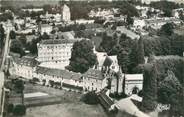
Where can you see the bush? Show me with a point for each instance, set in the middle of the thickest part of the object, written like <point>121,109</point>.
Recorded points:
<point>19,86</point>
<point>10,108</point>
<point>117,96</point>
<point>90,98</point>
<point>140,93</point>
<point>19,110</point>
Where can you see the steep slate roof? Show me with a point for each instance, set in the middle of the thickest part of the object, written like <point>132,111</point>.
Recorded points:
<point>101,56</point>
<point>94,74</point>
<point>59,73</point>
<point>104,99</point>
<point>66,35</point>
<point>59,41</point>
<point>162,20</point>
<point>27,61</point>
<point>108,61</point>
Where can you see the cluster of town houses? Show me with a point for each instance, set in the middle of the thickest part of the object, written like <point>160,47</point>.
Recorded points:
<point>48,68</point>
<point>52,53</point>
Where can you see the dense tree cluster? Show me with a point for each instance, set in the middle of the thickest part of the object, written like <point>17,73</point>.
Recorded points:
<point>19,110</point>
<point>82,57</point>
<point>74,27</point>
<point>149,87</point>
<point>12,34</point>
<point>78,12</point>
<point>168,73</point>
<point>170,92</point>
<point>90,98</point>
<point>167,29</point>
<point>130,52</point>
<point>165,6</point>
<point>17,47</point>
<point>2,35</point>
<point>6,16</point>
<point>166,43</point>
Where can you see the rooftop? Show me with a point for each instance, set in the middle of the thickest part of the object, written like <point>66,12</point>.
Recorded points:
<point>58,73</point>
<point>160,20</point>
<point>94,74</point>
<point>27,61</point>
<point>59,41</point>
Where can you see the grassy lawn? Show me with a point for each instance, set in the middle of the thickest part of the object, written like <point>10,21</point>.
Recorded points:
<point>66,110</point>
<point>69,104</point>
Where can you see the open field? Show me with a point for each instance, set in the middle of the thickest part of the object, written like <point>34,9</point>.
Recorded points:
<point>67,104</point>
<point>78,109</point>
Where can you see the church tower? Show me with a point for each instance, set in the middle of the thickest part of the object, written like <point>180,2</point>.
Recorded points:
<point>65,14</point>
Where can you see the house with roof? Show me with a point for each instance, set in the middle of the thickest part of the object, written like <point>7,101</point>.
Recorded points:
<point>94,80</point>
<point>55,50</point>
<point>157,23</point>
<point>45,28</point>
<point>127,83</point>
<point>65,35</point>
<point>24,67</point>
<point>106,62</point>
<point>59,78</point>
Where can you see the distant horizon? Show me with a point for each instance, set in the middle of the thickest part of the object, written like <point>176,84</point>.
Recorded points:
<point>38,3</point>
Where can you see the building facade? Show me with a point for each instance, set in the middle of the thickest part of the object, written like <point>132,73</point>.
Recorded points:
<point>24,67</point>
<point>133,82</point>
<point>58,51</point>
<point>94,80</point>
<point>65,15</point>
<point>59,78</point>
<point>127,83</point>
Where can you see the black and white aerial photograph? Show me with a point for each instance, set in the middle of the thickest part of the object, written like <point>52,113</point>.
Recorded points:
<point>91,58</point>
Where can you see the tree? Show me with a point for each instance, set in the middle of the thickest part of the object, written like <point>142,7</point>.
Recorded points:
<point>133,58</point>
<point>129,20</point>
<point>45,36</point>
<point>108,42</point>
<point>19,110</point>
<point>90,98</point>
<point>82,57</point>
<point>19,86</point>
<point>10,108</point>
<point>6,16</point>
<point>170,90</point>
<point>126,43</point>
<point>140,52</point>
<point>12,34</point>
<point>167,12</point>
<point>23,39</point>
<point>17,47</point>
<point>149,87</point>
<point>2,35</point>
<point>32,46</point>
<point>123,60</point>
<point>167,29</point>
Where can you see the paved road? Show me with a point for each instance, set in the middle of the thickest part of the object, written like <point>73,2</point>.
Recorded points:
<point>4,54</point>
<point>5,51</point>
